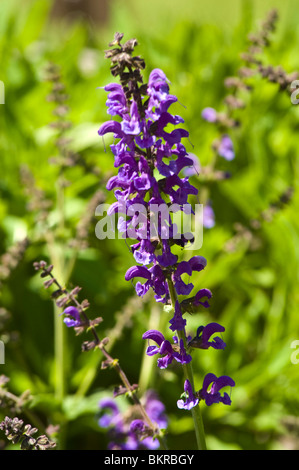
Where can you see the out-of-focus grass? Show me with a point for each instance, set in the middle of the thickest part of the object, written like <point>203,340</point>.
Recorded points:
<point>254,287</point>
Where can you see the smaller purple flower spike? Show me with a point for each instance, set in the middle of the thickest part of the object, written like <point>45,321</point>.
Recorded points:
<point>213,395</point>
<point>203,335</point>
<point>209,114</point>
<point>190,399</point>
<point>72,317</point>
<point>226,148</point>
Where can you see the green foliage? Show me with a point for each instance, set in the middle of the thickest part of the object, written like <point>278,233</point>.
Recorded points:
<point>253,274</point>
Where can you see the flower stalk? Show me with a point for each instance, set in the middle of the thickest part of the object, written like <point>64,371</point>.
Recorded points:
<point>150,157</point>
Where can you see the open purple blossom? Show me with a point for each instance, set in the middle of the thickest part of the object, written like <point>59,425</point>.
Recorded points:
<point>116,102</point>
<point>202,293</point>
<point>165,349</point>
<point>204,334</point>
<point>213,395</point>
<point>155,279</point>
<point>72,317</point>
<point>188,399</point>
<point>196,263</point>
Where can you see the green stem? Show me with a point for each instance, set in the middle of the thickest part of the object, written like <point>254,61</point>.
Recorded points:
<point>188,373</point>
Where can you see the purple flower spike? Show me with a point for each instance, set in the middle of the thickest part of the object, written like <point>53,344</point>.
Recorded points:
<point>190,399</point>
<point>72,317</point>
<point>213,395</point>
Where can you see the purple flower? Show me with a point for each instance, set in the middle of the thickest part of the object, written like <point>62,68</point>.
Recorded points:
<point>143,252</point>
<point>137,271</point>
<point>167,258</point>
<point>201,294</point>
<point>209,114</point>
<point>226,148</point>
<point>131,123</point>
<point>155,279</point>
<point>188,400</point>
<point>204,334</point>
<point>180,195</point>
<point>155,409</point>
<point>111,126</point>
<point>177,322</point>
<point>213,395</point>
<point>116,102</point>
<point>111,415</point>
<point>72,317</point>
<point>165,349</point>
<point>196,263</point>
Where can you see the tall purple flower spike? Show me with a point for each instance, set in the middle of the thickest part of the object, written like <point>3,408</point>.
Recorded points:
<point>154,169</point>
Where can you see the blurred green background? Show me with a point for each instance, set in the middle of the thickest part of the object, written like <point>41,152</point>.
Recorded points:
<point>254,283</point>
